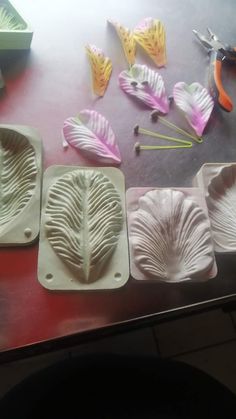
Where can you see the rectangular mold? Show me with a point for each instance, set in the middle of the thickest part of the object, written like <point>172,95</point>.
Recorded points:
<point>75,215</point>
<point>218,183</point>
<point>15,33</point>
<point>151,264</point>
<point>21,175</point>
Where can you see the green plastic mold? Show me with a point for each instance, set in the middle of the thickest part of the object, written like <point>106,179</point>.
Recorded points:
<point>15,33</point>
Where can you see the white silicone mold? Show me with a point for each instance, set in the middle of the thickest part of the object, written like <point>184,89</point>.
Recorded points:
<point>20,174</point>
<point>218,181</point>
<point>83,238</point>
<point>169,235</point>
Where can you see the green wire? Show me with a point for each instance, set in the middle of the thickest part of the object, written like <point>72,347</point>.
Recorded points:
<point>162,147</point>
<point>165,137</point>
<point>180,130</point>
<point>139,147</point>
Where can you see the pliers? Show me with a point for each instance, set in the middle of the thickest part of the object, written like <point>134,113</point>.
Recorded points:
<point>218,53</point>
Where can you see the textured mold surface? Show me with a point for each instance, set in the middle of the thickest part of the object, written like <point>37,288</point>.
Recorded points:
<point>9,21</point>
<point>83,220</point>
<point>18,171</point>
<point>221,201</point>
<point>170,237</point>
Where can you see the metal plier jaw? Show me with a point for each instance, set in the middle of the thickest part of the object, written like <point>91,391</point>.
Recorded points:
<point>218,53</point>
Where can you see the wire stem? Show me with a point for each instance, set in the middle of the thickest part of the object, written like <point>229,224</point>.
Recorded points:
<point>164,137</point>
<point>139,147</point>
<point>180,130</point>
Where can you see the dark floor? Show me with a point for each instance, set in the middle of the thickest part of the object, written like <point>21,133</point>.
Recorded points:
<point>206,340</point>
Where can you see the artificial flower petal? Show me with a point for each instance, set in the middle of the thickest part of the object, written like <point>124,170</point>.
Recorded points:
<point>151,35</point>
<point>101,68</point>
<point>196,103</point>
<point>92,134</point>
<point>127,39</point>
<point>147,85</point>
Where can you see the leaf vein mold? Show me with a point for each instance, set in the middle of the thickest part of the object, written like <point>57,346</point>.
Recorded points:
<point>83,235</point>
<point>20,184</point>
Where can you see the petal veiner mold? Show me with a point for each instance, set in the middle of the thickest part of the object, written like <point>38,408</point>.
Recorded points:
<point>170,237</point>
<point>20,179</point>
<point>218,181</point>
<point>83,229</point>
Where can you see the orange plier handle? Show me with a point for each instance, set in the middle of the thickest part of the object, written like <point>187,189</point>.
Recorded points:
<point>215,80</point>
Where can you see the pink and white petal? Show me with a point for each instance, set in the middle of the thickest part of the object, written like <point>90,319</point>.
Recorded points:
<point>92,135</point>
<point>147,85</point>
<point>196,104</point>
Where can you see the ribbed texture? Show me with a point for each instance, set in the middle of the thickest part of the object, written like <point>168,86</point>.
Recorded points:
<point>8,21</point>
<point>18,172</point>
<point>127,40</point>
<point>196,103</point>
<point>151,35</point>
<point>101,68</point>
<point>222,208</point>
<point>92,134</point>
<point>170,237</point>
<point>146,85</point>
<point>84,220</point>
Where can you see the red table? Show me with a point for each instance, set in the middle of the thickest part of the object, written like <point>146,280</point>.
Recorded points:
<point>51,83</point>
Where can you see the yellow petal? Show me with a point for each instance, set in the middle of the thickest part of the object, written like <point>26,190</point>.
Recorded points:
<point>150,34</point>
<point>101,68</point>
<point>127,40</point>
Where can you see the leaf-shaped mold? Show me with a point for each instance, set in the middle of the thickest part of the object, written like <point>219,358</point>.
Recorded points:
<point>101,68</point>
<point>84,220</point>
<point>196,104</point>
<point>8,21</point>
<point>147,85</point>
<point>221,202</point>
<point>151,35</point>
<point>18,170</point>
<point>170,237</point>
<point>127,40</point>
<point>92,134</point>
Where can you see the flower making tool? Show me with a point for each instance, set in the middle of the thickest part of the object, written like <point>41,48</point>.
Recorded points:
<point>179,143</point>
<point>219,52</point>
<point>155,117</point>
